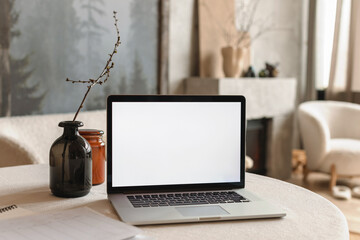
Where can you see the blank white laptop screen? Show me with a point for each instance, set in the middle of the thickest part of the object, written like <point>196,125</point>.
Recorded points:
<point>170,143</point>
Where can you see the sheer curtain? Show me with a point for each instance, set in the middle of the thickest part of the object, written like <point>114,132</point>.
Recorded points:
<point>320,33</point>
<point>344,79</point>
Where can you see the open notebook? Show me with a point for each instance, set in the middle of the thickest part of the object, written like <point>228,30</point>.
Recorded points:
<point>78,223</point>
<point>13,211</point>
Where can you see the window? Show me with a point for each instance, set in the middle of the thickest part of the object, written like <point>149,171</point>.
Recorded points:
<point>325,25</point>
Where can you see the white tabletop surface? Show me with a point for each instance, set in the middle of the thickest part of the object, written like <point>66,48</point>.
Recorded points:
<point>309,216</point>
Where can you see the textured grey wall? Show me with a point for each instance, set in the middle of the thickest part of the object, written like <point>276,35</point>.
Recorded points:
<point>72,38</point>
<point>282,46</point>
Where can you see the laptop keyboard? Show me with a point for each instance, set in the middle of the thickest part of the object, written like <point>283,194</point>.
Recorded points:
<point>180,199</point>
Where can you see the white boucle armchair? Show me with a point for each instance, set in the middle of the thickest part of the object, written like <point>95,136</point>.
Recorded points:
<point>27,139</point>
<point>330,133</point>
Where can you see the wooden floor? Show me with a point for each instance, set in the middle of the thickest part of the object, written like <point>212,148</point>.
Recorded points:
<point>354,236</point>
<point>319,183</point>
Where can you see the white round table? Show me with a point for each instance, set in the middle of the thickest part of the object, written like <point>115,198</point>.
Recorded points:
<point>309,216</point>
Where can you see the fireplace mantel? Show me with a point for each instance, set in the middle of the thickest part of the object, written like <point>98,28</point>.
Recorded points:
<point>272,98</point>
<point>265,97</point>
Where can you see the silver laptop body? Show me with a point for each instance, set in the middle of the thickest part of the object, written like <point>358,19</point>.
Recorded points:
<point>177,159</point>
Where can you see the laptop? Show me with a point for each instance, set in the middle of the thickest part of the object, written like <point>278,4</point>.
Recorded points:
<point>178,158</point>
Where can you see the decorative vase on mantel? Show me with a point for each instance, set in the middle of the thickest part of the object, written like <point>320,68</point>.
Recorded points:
<point>70,163</point>
<point>232,61</point>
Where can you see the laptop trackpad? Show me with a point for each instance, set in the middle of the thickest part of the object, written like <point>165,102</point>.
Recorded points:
<point>201,211</point>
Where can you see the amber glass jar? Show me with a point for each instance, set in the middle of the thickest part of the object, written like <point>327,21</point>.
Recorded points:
<point>94,137</point>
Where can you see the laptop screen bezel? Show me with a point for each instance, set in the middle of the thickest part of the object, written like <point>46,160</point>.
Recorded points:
<point>175,98</point>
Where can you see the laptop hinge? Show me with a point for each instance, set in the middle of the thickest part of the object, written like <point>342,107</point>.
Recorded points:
<point>178,190</point>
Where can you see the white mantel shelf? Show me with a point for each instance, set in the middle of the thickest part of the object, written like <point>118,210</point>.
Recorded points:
<point>265,97</point>
<point>272,98</point>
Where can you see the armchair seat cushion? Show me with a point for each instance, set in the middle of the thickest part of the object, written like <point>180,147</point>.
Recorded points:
<point>345,154</point>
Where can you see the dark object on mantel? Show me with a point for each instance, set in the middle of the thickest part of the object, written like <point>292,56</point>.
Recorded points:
<point>70,163</point>
<point>269,71</point>
<point>250,73</point>
<point>94,138</point>
<point>264,73</point>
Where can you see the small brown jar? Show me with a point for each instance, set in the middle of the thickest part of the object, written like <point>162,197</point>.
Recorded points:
<point>94,137</point>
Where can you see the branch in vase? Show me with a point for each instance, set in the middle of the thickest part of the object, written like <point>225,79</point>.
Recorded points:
<point>105,73</point>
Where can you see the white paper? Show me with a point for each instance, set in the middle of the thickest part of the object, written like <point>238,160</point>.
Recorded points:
<point>79,223</point>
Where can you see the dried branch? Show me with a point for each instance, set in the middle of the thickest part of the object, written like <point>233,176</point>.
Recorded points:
<point>250,21</point>
<point>231,37</point>
<point>264,26</point>
<point>105,73</point>
<point>80,81</point>
<point>265,30</point>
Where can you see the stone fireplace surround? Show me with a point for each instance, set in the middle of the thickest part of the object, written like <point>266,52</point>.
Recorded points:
<point>271,98</point>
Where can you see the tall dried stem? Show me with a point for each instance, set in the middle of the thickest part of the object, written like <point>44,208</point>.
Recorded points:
<point>105,73</point>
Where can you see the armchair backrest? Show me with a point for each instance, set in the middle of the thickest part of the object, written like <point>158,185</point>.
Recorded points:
<point>322,120</point>
<point>33,135</point>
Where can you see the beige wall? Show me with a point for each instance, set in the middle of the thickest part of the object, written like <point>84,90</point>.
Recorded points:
<point>181,43</point>
<point>283,46</point>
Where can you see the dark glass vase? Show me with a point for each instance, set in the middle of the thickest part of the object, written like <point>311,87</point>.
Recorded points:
<point>70,163</point>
